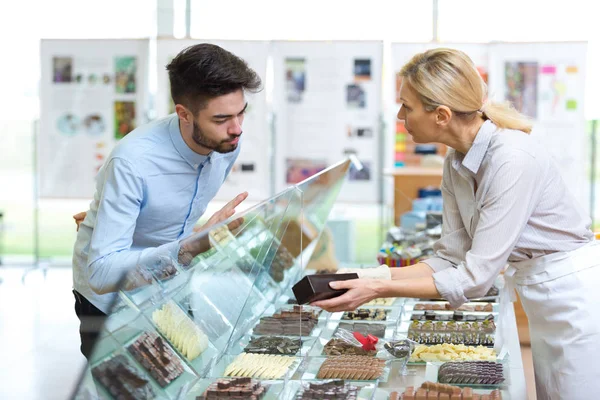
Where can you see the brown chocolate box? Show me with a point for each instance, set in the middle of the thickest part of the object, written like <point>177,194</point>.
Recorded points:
<point>316,287</point>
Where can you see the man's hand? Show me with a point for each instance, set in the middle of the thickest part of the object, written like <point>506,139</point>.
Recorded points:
<point>226,212</point>
<point>360,291</point>
<point>79,217</point>
<point>199,243</point>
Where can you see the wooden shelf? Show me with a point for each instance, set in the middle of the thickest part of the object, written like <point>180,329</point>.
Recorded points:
<point>407,182</point>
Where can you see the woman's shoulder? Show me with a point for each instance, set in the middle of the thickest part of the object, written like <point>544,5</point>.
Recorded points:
<point>514,143</point>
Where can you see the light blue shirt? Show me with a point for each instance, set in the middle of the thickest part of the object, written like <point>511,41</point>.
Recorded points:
<point>150,193</point>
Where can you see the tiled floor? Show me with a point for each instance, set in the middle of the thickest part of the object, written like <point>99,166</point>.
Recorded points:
<point>40,339</point>
<point>40,347</point>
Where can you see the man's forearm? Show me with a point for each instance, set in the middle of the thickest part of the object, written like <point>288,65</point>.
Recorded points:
<point>191,247</point>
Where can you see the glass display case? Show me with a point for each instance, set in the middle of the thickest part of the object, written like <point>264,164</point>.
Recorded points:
<point>225,324</point>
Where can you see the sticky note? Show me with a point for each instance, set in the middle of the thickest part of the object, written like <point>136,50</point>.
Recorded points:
<point>400,147</point>
<point>571,104</point>
<point>548,69</point>
<point>400,157</point>
<point>572,69</point>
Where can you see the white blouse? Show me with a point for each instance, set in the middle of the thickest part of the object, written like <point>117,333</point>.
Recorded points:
<point>519,209</point>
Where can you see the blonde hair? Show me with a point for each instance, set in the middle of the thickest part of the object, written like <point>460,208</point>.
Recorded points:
<point>448,77</point>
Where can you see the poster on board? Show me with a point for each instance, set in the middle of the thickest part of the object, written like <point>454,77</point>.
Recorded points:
<point>92,94</point>
<point>252,170</point>
<point>327,105</point>
<point>546,81</point>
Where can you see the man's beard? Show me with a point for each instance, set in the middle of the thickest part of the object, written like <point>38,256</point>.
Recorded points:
<point>220,147</point>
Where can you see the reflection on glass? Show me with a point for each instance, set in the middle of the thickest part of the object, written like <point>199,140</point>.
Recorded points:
<point>209,303</point>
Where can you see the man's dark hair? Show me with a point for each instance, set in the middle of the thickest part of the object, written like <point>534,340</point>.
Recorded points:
<point>205,71</point>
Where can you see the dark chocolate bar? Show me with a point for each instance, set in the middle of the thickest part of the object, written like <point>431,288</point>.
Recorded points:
<point>122,380</point>
<point>316,287</point>
<point>329,390</point>
<point>151,351</point>
<point>274,345</point>
<point>238,388</point>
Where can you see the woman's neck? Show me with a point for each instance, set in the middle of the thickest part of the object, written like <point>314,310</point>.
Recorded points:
<point>460,136</point>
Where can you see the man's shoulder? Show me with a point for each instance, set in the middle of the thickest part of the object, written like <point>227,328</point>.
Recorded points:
<point>144,141</point>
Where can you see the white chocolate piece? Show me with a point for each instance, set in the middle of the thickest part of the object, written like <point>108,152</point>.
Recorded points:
<point>180,330</point>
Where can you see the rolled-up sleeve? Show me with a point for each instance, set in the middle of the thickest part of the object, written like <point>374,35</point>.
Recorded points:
<point>504,212</point>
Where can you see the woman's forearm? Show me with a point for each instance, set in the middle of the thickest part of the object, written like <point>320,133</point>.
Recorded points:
<point>422,287</point>
<point>419,270</point>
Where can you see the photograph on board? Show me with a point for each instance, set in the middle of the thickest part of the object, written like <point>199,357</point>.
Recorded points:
<point>362,69</point>
<point>124,118</point>
<point>521,85</point>
<point>355,96</point>
<point>295,79</point>
<point>125,70</point>
<point>94,124</point>
<point>68,124</point>
<point>62,69</point>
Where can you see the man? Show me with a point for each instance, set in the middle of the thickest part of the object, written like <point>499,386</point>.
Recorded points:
<point>157,182</point>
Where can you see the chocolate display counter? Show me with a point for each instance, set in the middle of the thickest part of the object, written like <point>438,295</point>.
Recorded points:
<point>225,326</point>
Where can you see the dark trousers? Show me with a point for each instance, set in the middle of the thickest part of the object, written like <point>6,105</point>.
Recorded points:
<point>91,321</point>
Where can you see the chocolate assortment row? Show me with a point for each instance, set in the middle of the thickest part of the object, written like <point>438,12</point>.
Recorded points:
<point>260,366</point>
<point>366,314</point>
<point>492,292</point>
<point>487,326</point>
<point>455,316</point>
<point>336,389</point>
<point>351,367</point>
<point>295,322</point>
<point>151,351</point>
<point>339,347</point>
<point>238,389</point>
<point>122,380</point>
<point>431,390</point>
<point>377,330</point>
<point>274,345</point>
<point>471,373</point>
<point>469,339</point>
<point>446,307</point>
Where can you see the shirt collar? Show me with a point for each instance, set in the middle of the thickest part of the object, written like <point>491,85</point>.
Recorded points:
<point>190,156</point>
<point>474,157</point>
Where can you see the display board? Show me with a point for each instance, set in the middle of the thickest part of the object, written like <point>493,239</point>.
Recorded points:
<point>252,170</point>
<point>92,93</point>
<point>406,152</point>
<point>327,104</point>
<point>546,81</point>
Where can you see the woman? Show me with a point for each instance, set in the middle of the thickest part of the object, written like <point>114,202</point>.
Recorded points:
<point>504,202</point>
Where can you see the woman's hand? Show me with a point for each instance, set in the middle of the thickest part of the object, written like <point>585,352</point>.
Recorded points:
<point>360,291</point>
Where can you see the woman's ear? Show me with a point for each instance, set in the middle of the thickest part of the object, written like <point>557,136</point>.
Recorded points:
<point>443,115</point>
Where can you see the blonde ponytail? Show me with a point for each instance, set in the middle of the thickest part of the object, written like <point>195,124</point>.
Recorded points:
<point>448,77</point>
<point>505,116</point>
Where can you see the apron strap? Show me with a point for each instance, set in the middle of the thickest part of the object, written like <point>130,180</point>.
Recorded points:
<point>509,284</point>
